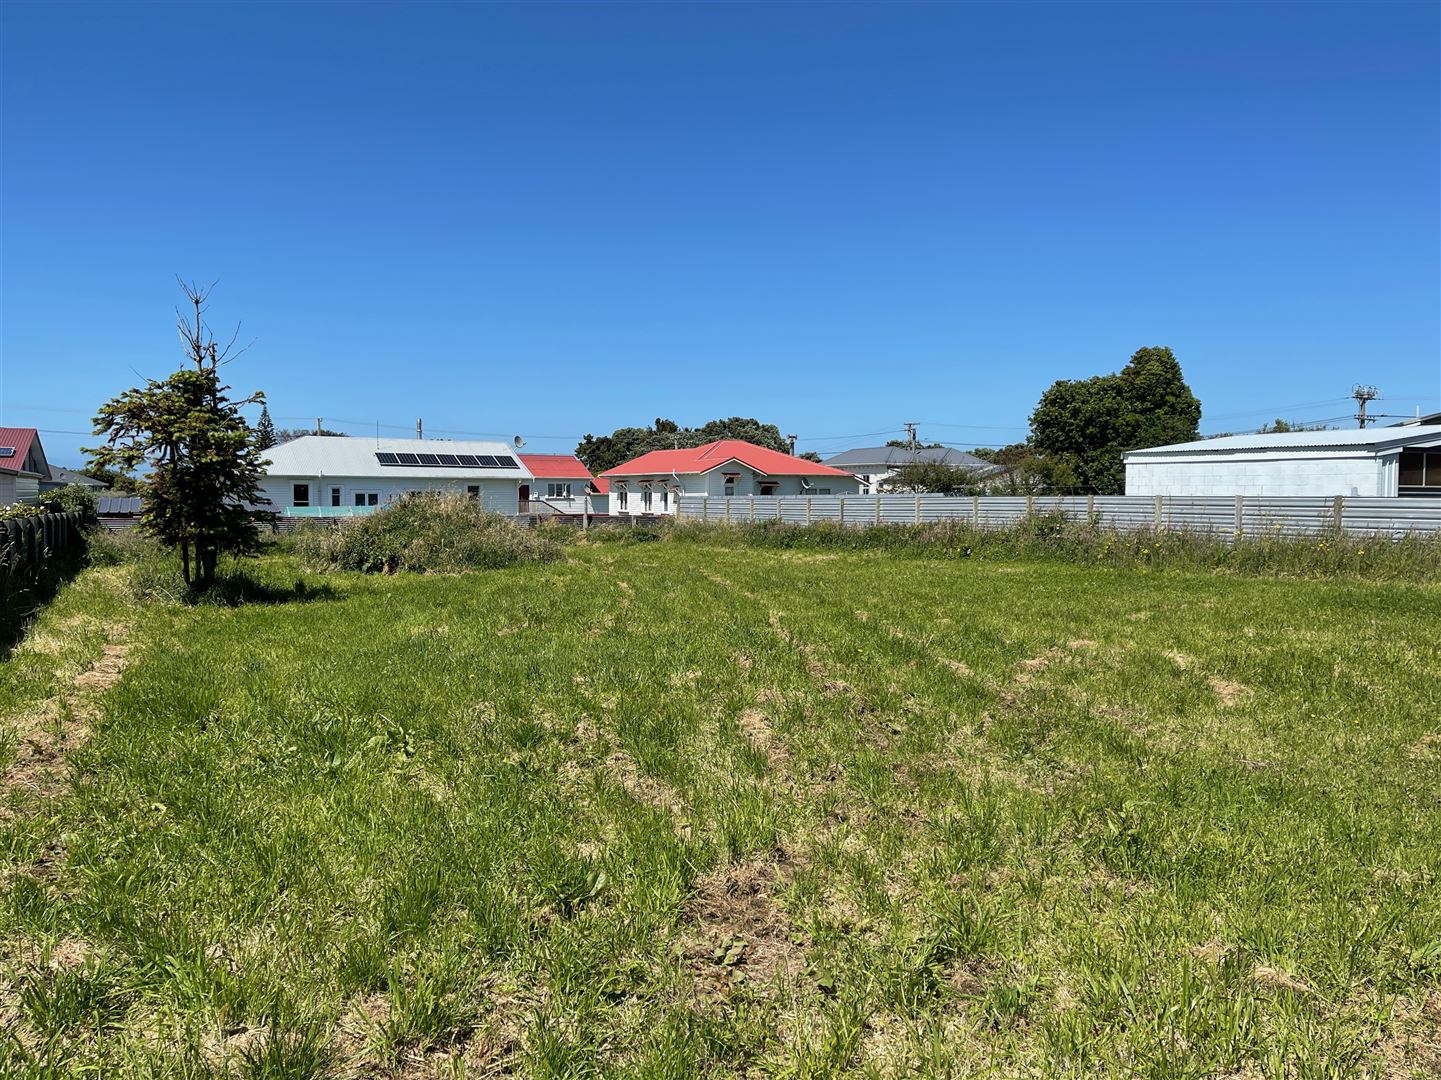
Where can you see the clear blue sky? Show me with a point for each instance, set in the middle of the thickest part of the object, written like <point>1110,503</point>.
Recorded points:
<point>553,219</point>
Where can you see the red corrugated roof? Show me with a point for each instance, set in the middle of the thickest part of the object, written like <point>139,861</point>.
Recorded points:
<point>20,438</point>
<point>701,459</point>
<point>555,466</point>
<point>601,487</point>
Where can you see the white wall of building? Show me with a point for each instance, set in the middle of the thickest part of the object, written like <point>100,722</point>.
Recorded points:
<point>499,496</point>
<point>1294,472</point>
<point>16,488</point>
<point>542,502</point>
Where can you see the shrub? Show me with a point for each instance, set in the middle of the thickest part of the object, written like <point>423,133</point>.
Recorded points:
<point>425,531</point>
<point>20,510</point>
<point>72,498</point>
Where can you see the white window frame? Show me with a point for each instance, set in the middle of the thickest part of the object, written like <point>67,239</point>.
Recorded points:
<point>365,498</point>
<point>645,497</point>
<point>557,489</point>
<point>621,502</point>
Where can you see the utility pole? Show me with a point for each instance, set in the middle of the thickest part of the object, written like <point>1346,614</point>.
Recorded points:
<point>420,430</point>
<point>792,440</point>
<point>317,424</point>
<point>1363,394</point>
<point>910,426</point>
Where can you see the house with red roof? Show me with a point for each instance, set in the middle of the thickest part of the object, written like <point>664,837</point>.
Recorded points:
<point>562,485</point>
<point>652,483</point>
<point>22,465</point>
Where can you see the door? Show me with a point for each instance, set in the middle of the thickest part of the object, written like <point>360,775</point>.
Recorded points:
<point>525,498</point>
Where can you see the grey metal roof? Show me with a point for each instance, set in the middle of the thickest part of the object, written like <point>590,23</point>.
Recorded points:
<point>70,476</point>
<point>892,457</point>
<point>118,504</point>
<point>334,455</point>
<point>1372,438</point>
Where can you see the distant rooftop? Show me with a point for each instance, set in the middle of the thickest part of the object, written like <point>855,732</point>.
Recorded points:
<point>895,456</point>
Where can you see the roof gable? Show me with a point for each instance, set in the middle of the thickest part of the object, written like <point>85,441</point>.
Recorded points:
<point>29,454</point>
<point>703,459</point>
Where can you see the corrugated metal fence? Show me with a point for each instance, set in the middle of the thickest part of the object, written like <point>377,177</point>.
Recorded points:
<point>1248,515</point>
<point>27,543</point>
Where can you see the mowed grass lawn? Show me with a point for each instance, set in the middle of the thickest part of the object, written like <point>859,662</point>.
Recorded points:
<point>672,810</point>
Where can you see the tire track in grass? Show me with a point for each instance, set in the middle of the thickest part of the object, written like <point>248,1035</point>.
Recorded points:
<point>63,723</point>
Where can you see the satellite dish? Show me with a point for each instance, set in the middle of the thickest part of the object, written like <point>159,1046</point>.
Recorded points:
<point>519,442</point>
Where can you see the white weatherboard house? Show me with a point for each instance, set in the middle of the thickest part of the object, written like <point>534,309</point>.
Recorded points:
<point>562,485</point>
<point>1387,461</point>
<point>650,484</point>
<point>328,475</point>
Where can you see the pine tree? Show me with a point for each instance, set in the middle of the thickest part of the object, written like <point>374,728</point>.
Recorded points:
<point>264,430</point>
<point>202,459</point>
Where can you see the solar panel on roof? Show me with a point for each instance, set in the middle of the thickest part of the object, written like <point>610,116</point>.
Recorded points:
<point>502,462</point>
<point>408,459</point>
<point>448,459</point>
<point>428,459</point>
<point>7,451</point>
<point>386,458</point>
<point>468,460</point>
<point>486,461</point>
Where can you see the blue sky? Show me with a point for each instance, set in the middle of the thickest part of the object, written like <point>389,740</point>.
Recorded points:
<point>555,219</point>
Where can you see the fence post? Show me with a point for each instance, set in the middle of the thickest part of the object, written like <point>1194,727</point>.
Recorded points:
<point>1240,513</point>
<point>975,511</point>
<point>918,509</point>
<point>1158,513</point>
<point>878,509</point>
<point>1340,510</point>
<point>1029,500</point>
<point>705,508</point>
<point>753,507</point>
<point>842,510</point>
<point>1090,508</point>
<point>808,509</point>
<point>728,509</point>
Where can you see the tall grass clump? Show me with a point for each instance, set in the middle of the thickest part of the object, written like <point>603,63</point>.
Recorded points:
<point>423,532</point>
<point>1054,536</point>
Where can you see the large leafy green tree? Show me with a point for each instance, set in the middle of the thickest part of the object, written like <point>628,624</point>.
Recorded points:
<point>203,464</point>
<point>1084,426</point>
<point>602,452</point>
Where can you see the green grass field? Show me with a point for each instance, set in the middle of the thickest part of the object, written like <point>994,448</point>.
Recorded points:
<point>674,809</point>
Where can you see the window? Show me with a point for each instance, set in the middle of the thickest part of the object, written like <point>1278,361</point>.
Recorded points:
<point>620,498</point>
<point>821,491</point>
<point>557,491</point>
<point>300,495</point>
<point>730,485</point>
<point>473,490</point>
<point>334,496</point>
<point>768,488</point>
<point>645,500</point>
<point>1420,468</point>
<point>664,499</point>
<point>367,498</point>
